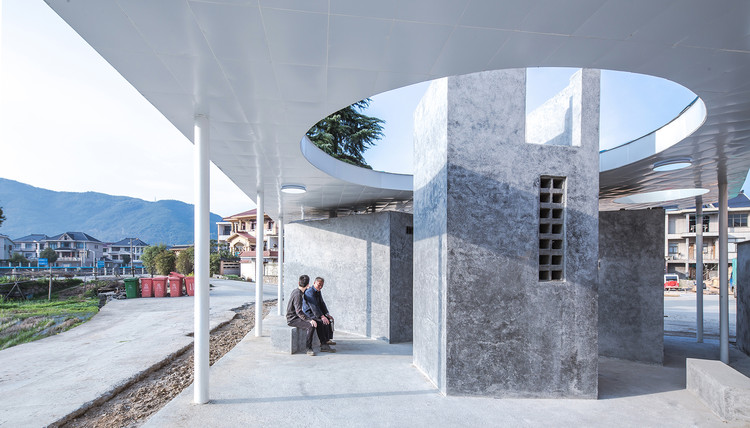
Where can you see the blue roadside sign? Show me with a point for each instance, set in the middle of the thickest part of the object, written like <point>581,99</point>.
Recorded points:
<point>100,264</point>
<point>42,262</point>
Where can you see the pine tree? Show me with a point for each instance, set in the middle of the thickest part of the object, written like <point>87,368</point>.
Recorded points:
<point>347,133</point>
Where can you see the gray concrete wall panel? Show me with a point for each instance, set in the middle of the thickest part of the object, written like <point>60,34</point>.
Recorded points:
<point>365,290</point>
<point>631,290</point>
<point>743,296</point>
<point>430,192</point>
<point>507,334</point>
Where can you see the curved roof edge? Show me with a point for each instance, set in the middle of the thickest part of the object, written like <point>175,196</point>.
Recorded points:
<point>351,173</point>
<point>679,128</point>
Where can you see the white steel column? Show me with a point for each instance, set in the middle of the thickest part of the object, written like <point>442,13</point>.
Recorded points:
<point>202,218</point>
<point>261,223</point>
<point>280,297</point>
<point>699,269</point>
<point>723,288</point>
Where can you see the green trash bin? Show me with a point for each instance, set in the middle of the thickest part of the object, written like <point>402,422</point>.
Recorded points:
<point>131,288</point>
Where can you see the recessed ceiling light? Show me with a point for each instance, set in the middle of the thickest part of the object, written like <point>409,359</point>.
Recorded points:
<point>672,164</point>
<point>293,189</point>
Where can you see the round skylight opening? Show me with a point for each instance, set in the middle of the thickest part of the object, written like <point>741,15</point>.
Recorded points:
<point>672,165</point>
<point>660,196</point>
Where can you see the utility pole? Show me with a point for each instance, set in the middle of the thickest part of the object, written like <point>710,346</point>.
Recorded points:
<point>132,271</point>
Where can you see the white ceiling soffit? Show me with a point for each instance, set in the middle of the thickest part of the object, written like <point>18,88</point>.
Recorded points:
<point>264,71</point>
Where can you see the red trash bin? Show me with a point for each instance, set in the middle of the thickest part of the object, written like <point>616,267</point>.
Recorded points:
<point>190,285</point>
<point>147,287</point>
<point>175,286</point>
<point>160,286</point>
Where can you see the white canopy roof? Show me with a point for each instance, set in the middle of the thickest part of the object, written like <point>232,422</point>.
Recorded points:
<point>264,71</point>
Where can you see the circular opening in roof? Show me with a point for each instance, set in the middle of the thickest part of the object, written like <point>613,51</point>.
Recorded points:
<point>660,196</point>
<point>672,165</point>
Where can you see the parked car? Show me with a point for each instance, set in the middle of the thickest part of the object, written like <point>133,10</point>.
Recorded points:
<point>671,281</point>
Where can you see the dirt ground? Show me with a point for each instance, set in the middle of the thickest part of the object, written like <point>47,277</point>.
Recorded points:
<point>135,404</point>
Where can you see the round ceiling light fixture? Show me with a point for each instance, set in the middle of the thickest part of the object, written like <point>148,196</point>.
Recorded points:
<point>672,164</point>
<point>293,189</point>
<point>660,196</point>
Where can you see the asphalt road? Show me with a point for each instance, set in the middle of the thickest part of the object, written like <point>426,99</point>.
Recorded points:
<point>680,315</point>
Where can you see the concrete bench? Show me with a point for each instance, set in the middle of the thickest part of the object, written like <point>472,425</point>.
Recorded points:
<point>288,340</point>
<point>724,390</point>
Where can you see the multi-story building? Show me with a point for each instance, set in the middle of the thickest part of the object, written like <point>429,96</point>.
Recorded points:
<point>123,249</point>
<point>237,232</point>
<point>30,246</point>
<point>75,249</point>
<point>680,231</point>
<point>6,247</point>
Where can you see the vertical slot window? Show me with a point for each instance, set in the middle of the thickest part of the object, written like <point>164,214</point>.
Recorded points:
<point>552,202</point>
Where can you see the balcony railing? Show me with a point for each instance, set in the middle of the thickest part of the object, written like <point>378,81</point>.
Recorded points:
<point>266,253</point>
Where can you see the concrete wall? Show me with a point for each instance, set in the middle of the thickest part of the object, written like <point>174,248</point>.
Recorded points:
<point>558,120</point>
<point>483,322</point>
<point>631,285</point>
<point>743,296</point>
<point>366,261</point>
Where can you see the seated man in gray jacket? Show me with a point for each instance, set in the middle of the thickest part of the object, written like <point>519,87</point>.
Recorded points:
<point>315,308</point>
<point>296,317</point>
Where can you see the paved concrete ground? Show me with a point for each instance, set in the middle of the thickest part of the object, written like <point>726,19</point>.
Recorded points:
<point>367,383</point>
<point>43,381</point>
<point>370,383</point>
<point>679,314</point>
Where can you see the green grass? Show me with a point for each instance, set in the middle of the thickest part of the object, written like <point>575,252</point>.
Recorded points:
<point>26,321</point>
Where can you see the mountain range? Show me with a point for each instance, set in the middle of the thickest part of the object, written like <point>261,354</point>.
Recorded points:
<point>108,218</point>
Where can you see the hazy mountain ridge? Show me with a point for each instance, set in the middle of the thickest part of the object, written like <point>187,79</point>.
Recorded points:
<point>108,218</point>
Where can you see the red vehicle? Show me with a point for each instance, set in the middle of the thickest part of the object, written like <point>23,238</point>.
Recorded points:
<point>671,281</point>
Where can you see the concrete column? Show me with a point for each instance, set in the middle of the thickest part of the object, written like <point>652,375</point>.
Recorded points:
<point>259,263</point>
<point>490,316</point>
<point>699,270</point>
<point>202,225</point>
<point>280,296</point>
<point>723,286</point>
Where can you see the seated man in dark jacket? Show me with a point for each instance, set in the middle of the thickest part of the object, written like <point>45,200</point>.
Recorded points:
<point>296,317</point>
<point>315,308</point>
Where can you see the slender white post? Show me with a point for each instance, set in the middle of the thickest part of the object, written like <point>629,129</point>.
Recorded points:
<point>202,216</point>
<point>280,297</point>
<point>723,288</point>
<point>261,223</point>
<point>699,269</point>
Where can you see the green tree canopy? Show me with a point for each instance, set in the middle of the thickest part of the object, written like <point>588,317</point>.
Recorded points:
<point>18,260</point>
<point>214,263</point>
<point>49,254</point>
<point>186,261</point>
<point>126,259</point>
<point>165,262</point>
<point>2,217</point>
<point>149,256</point>
<point>347,133</point>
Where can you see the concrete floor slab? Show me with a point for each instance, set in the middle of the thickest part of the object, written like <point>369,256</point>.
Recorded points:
<point>370,383</point>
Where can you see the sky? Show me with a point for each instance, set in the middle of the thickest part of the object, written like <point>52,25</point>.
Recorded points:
<point>70,122</point>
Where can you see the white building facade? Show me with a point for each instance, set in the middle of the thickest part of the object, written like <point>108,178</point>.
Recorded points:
<point>680,231</point>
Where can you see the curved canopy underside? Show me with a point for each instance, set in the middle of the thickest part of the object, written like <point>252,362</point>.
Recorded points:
<point>264,71</point>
